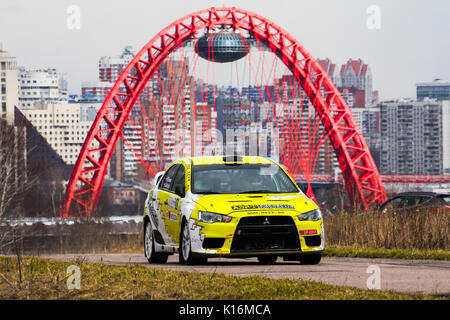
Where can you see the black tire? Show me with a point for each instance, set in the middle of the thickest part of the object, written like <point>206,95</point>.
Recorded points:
<point>310,258</point>
<point>267,259</point>
<point>149,247</point>
<point>184,252</point>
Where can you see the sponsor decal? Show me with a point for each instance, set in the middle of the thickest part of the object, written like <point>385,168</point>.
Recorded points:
<point>171,216</point>
<point>308,232</point>
<point>267,212</point>
<point>153,215</point>
<point>262,206</point>
<point>188,177</point>
<point>173,202</point>
<point>282,197</point>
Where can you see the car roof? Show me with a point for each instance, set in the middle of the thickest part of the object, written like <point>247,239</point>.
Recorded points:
<point>227,159</point>
<point>421,193</point>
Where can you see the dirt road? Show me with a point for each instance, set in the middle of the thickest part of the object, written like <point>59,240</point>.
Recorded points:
<point>411,276</point>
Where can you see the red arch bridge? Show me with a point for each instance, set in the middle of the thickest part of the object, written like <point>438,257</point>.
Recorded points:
<point>418,179</point>
<point>211,72</point>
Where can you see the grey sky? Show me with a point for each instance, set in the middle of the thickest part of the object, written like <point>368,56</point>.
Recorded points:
<point>413,44</point>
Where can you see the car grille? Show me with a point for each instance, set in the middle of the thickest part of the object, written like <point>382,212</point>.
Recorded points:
<point>265,233</point>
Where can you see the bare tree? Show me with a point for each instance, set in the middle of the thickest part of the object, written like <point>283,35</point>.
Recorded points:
<point>13,169</point>
<point>14,183</point>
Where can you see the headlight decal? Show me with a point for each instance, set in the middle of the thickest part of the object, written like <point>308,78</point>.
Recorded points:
<point>211,217</point>
<point>313,215</point>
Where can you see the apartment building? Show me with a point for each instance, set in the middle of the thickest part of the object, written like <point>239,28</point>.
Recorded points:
<point>9,94</point>
<point>437,89</point>
<point>42,86</point>
<point>415,137</point>
<point>61,125</point>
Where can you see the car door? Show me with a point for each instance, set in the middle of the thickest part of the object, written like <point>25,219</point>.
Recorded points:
<point>163,203</point>
<point>177,191</point>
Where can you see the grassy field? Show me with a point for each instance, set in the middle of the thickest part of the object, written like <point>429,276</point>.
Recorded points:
<point>37,278</point>
<point>425,230</point>
<point>395,253</point>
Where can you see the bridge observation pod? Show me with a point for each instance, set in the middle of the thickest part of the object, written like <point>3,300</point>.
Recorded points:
<point>362,179</point>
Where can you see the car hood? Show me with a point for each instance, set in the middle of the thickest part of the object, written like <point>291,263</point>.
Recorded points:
<point>280,203</point>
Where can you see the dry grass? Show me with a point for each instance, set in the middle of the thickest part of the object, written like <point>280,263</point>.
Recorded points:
<point>426,230</point>
<point>102,243</point>
<point>360,252</point>
<point>47,279</point>
<point>81,237</point>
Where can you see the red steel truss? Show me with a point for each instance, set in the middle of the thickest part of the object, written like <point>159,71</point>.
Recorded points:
<point>325,178</point>
<point>362,179</point>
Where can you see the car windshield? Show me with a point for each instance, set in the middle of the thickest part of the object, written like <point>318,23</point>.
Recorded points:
<point>241,178</point>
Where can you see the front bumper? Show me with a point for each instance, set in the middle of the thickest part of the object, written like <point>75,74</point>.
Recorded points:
<point>253,235</point>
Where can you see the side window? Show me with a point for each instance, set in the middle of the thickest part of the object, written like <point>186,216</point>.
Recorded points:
<point>399,203</point>
<point>179,180</point>
<point>158,180</point>
<point>413,201</point>
<point>392,204</point>
<point>426,200</point>
<point>166,182</point>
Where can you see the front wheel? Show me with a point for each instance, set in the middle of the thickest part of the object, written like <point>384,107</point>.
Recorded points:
<point>149,247</point>
<point>185,250</point>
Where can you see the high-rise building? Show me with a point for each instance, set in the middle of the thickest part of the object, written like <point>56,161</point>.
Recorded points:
<point>415,137</point>
<point>9,94</point>
<point>347,95</point>
<point>202,132</point>
<point>42,85</point>
<point>368,120</point>
<point>95,90</point>
<point>61,125</point>
<point>109,70</point>
<point>357,77</point>
<point>331,70</point>
<point>353,80</point>
<point>437,89</point>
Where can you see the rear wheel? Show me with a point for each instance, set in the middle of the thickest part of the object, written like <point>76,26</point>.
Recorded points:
<point>185,250</point>
<point>149,247</point>
<point>267,259</point>
<point>310,258</point>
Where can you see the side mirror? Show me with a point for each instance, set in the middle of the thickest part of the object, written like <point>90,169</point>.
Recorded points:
<point>179,190</point>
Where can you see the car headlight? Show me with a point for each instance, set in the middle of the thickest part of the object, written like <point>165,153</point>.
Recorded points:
<point>310,215</point>
<point>211,217</point>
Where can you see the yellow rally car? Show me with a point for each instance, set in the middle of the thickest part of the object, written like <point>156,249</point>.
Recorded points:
<point>234,206</point>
